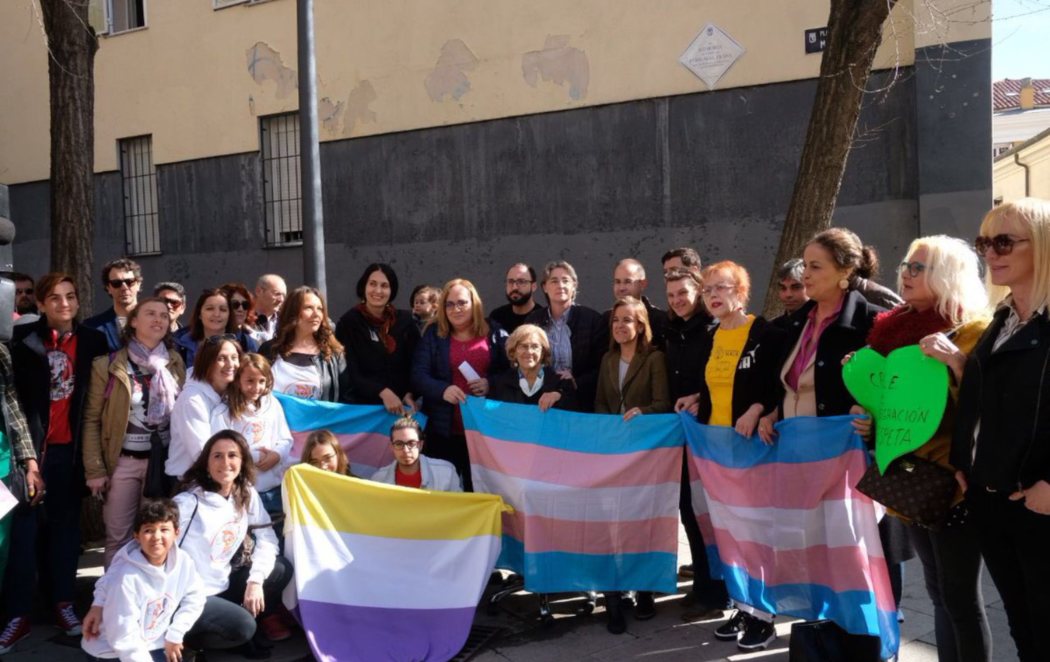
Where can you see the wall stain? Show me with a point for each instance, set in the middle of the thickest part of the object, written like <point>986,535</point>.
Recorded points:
<point>264,63</point>
<point>449,77</point>
<point>357,103</point>
<point>558,63</point>
<point>329,114</point>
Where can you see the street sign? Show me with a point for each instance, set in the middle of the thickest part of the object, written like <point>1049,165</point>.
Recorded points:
<point>816,40</point>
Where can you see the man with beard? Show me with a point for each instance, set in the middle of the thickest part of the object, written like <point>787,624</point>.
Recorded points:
<point>521,284</point>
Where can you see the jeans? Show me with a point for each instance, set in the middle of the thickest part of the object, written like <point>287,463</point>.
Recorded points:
<point>951,566</point>
<point>60,516</point>
<point>272,502</point>
<point>1015,543</point>
<point>224,623</point>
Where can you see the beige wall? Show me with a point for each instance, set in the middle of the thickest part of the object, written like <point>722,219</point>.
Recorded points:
<point>1008,178</point>
<point>394,65</point>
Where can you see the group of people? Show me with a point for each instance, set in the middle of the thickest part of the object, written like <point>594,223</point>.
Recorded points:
<point>134,407</point>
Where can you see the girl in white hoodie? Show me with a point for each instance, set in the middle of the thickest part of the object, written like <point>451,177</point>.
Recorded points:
<point>251,409</point>
<point>156,594</point>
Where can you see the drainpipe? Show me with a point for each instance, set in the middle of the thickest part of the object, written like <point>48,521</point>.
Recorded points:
<point>1027,174</point>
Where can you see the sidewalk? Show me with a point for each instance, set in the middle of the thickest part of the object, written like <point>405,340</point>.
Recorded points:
<point>520,637</point>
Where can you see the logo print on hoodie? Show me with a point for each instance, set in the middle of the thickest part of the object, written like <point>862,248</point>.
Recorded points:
<point>226,541</point>
<point>155,617</point>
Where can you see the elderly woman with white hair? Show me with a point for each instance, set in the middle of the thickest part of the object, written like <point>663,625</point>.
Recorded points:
<point>944,312</point>
<point>532,382</point>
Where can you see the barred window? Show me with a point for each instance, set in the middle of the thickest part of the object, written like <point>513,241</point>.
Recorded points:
<point>280,166</point>
<point>139,177</point>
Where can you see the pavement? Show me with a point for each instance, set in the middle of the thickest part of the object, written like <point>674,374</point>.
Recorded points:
<point>513,632</point>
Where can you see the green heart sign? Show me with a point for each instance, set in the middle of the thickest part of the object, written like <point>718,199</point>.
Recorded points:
<point>906,393</point>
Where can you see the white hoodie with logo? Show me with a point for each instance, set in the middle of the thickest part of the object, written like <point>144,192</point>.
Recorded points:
<point>190,425</point>
<point>264,427</point>
<point>146,605</point>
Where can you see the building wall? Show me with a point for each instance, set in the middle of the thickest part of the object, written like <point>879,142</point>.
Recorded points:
<point>1024,171</point>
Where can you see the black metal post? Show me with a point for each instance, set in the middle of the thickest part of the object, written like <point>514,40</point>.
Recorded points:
<point>309,151</point>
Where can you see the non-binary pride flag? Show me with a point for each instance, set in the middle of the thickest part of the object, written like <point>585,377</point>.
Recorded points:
<point>595,498</point>
<point>363,430</point>
<point>385,572</point>
<point>786,528</point>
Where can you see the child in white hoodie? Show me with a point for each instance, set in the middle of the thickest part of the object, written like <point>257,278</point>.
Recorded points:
<point>155,594</point>
<point>251,409</point>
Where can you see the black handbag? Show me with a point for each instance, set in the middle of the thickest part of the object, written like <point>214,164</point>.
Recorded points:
<point>824,641</point>
<point>919,490</point>
<point>158,485</point>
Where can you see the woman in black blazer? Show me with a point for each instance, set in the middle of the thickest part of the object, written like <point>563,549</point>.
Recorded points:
<point>1001,443</point>
<point>530,381</point>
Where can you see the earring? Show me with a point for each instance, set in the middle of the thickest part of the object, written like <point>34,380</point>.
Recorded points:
<point>843,284</point>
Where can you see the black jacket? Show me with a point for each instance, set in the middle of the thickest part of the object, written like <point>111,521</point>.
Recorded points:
<point>757,372</point>
<point>33,378</point>
<point>1008,391</point>
<point>846,334</point>
<point>590,341</point>
<point>506,387</point>
<point>371,369</point>
<point>686,344</point>
<point>106,323</point>
<point>508,319</point>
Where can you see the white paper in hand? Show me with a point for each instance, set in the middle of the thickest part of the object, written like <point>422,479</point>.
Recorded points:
<point>468,371</point>
<point>7,500</point>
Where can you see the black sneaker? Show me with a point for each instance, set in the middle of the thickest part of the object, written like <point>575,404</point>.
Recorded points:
<point>644,606</point>
<point>732,628</point>
<point>757,635</point>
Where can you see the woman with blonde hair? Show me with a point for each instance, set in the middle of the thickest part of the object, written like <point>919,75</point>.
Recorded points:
<point>944,312</point>
<point>530,380</point>
<point>455,357</point>
<point>1001,442</point>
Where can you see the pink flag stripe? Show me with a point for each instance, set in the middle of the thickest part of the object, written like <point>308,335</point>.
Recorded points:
<point>624,537</point>
<point>365,448</point>
<point>594,504</point>
<point>838,568</point>
<point>571,468</point>
<point>783,485</point>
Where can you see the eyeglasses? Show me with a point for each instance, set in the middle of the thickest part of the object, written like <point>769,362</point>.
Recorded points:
<point>27,290</point>
<point>173,303</point>
<point>721,288</point>
<point>913,268</point>
<point>457,305</point>
<point>116,283</point>
<point>410,445</point>
<point>323,460</point>
<point>518,282</point>
<point>239,305</point>
<point>1002,244</point>
<point>215,340</point>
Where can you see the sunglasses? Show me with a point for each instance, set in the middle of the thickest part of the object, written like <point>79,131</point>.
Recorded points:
<point>913,268</point>
<point>173,303</point>
<point>116,283</point>
<point>239,305</point>
<point>1002,244</point>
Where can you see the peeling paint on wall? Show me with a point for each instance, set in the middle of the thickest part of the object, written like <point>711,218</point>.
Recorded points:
<point>329,114</point>
<point>357,109</point>
<point>264,63</point>
<point>448,76</point>
<point>558,63</point>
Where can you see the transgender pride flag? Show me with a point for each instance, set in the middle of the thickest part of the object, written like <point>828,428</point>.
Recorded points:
<point>385,572</point>
<point>363,430</point>
<point>785,527</point>
<point>595,499</point>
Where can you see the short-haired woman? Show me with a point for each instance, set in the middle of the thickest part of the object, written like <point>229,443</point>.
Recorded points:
<point>308,361</point>
<point>1001,443</point>
<point>529,381</point>
<point>382,340</point>
<point>460,336</point>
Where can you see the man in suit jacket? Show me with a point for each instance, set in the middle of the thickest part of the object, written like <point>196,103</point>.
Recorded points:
<point>122,279</point>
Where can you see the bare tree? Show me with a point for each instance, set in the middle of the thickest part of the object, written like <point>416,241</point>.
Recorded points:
<point>854,34</point>
<point>71,45</point>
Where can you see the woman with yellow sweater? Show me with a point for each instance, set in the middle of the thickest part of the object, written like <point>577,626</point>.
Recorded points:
<point>945,313</point>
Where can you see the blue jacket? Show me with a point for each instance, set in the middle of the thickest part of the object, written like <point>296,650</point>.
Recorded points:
<point>106,322</point>
<point>187,346</point>
<point>432,374</point>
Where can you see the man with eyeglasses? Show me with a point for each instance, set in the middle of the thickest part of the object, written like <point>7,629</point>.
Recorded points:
<point>629,281</point>
<point>174,295</point>
<point>122,279</point>
<point>410,467</point>
<point>521,285</point>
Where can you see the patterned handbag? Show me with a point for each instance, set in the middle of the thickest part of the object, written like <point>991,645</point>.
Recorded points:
<point>918,489</point>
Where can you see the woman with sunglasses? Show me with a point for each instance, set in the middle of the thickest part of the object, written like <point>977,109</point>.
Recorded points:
<point>944,312</point>
<point>214,370</point>
<point>1001,443</point>
<point>308,361</point>
<point>211,316</point>
<point>242,310</point>
<point>382,340</point>
<point>456,357</point>
<point>127,414</point>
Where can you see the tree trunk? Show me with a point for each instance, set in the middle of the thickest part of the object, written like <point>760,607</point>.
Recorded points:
<point>72,44</point>
<point>854,34</point>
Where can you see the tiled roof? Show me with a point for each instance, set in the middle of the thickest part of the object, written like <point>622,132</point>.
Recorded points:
<point>1007,93</point>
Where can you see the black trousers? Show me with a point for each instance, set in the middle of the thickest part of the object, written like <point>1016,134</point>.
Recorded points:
<point>1015,543</point>
<point>708,591</point>
<point>452,448</point>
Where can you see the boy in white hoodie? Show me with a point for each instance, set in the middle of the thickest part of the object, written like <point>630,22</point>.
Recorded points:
<point>154,593</point>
